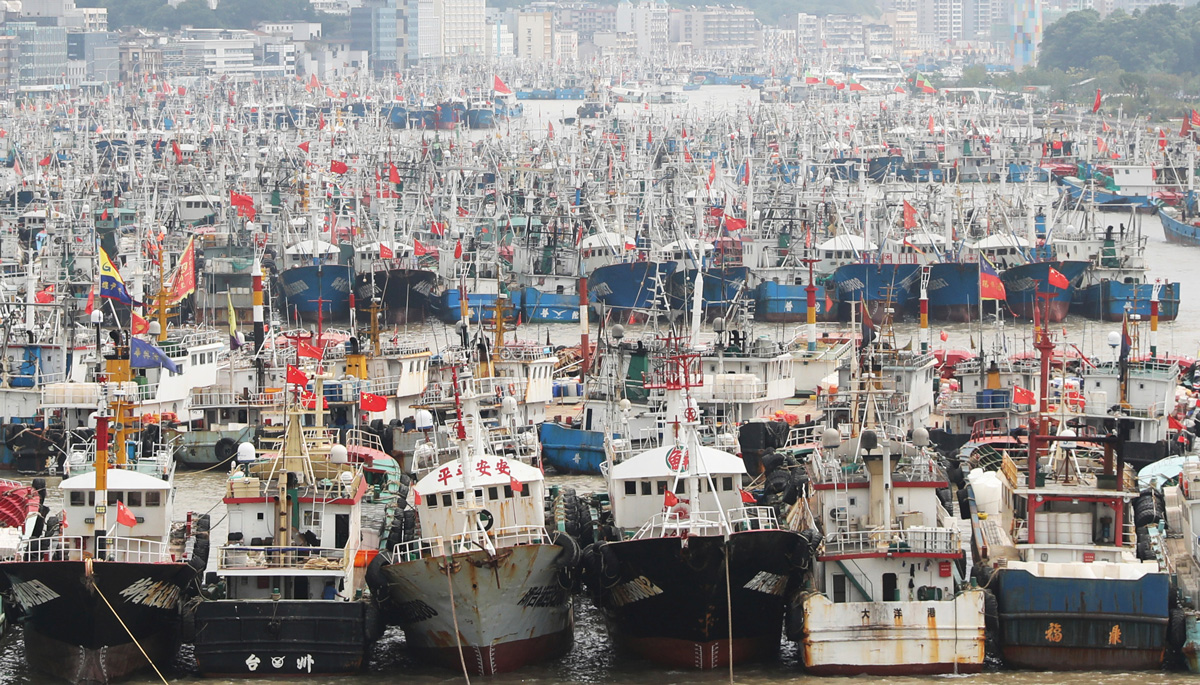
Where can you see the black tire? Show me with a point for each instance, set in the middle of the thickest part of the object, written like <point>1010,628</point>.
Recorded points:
<point>1177,628</point>
<point>224,449</point>
<point>777,482</point>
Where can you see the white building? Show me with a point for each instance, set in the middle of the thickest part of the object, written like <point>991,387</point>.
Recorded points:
<point>499,40</point>
<point>566,45</point>
<point>534,35</point>
<point>464,27</point>
<point>648,21</point>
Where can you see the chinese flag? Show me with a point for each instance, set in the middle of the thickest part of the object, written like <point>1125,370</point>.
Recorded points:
<point>303,349</point>
<point>419,249</point>
<point>371,402</point>
<point>91,301</point>
<point>124,516</point>
<point>458,251</point>
<point>45,161</point>
<point>303,146</point>
<point>393,174</point>
<point>296,376</point>
<point>338,167</point>
<point>416,497</point>
<point>910,215</point>
<point>1096,104</point>
<point>137,324</point>
<point>1023,396</point>
<point>669,499</point>
<point>517,486</point>
<point>1056,279</point>
<point>748,498</point>
<point>46,295</point>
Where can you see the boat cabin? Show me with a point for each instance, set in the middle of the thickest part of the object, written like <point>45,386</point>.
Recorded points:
<point>638,485</point>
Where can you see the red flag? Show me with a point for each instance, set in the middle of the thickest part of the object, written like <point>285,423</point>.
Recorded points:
<point>45,161</point>
<point>371,402</point>
<point>458,251</point>
<point>931,123</point>
<point>516,485</point>
<point>1096,104</point>
<point>669,499</point>
<point>240,200</point>
<point>1186,127</point>
<point>308,400</point>
<point>46,295</point>
<point>385,252</point>
<point>1174,424</point>
<point>1056,279</point>
<point>295,376</point>
<point>687,155</point>
<point>177,151</point>
<point>500,87</point>
<point>416,497</point>
<point>124,516</point>
<point>910,216</point>
<point>321,121</point>
<point>91,301</point>
<point>181,90</point>
<point>463,211</point>
<point>748,498</point>
<point>1162,139</point>
<point>734,224</point>
<point>138,325</point>
<point>900,90</point>
<point>303,349</point>
<point>338,167</point>
<point>418,249</point>
<point>393,174</point>
<point>1023,396</point>
<point>303,146</point>
<point>551,130</point>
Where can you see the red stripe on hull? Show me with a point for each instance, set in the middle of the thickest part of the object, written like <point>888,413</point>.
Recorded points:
<point>503,657</point>
<point>700,655</point>
<point>893,669</point>
<point>1082,658</point>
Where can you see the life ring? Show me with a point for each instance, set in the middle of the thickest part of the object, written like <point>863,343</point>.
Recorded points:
<point>512,389</point>
<point>487,518</point>
<point>680,509</point>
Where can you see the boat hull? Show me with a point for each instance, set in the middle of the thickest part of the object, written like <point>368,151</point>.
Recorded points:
<point>511,610</point>
<point>1178,232</point>
<point>669,604</point>
<point>628,285</point>
<point>71,633</point>
<point>782,303</point>
<point>720,286</point>
<point>480,307</point>
<point>892,638</point>
<point>1067,624</point>
<point>257,638</point>
<point>1022,283</point>
<point>303,286</point>
<point>572,450</point>
<point>1106,300</point>
<point>540,307</point>
<point>954,292</point>
<point>879,285</point>
<point>404,293</point>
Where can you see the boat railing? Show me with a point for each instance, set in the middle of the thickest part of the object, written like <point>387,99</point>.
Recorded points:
<point>524,353</point>
<point>204,398</point>
<point>361,438</point>
<point>742,519</point>
<point>389,348</point>
<point>307,558</point>
<point>440,546</point>
<point>72,548</point>
<point>668,524</point>
<point>799,436</point>
<point>739,392</point>
<point>892,540</point>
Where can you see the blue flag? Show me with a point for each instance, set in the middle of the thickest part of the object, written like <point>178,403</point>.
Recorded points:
<point>143,355</point>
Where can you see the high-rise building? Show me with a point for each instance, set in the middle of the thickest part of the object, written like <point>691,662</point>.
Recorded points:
<point>708,29</point>
<point>437,29</point>
<point>41,53</point>
<point>99,51</point>
<point>1027,32</point>
<point>647,21</point>
<point>373,30</point>
<point>534,35</point>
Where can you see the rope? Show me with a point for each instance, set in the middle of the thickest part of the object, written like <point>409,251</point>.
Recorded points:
<point>131,637</point>
<point>729,610</point>
<point>457,634</point>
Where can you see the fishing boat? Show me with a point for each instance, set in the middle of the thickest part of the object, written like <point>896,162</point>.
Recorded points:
<point>389,274</point>
<point>1176,227</point>
<point>1023,284</point>
<point>1053,543</point>
<point>313,283</point>
<point>478,586</point>
<point>1116,284</point>
<point>890,593</point>
<point>288,593</point>
<point>92,564</point>
<point>692,574</point>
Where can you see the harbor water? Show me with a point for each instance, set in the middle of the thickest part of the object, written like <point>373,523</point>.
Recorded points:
<point>593,659</point>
